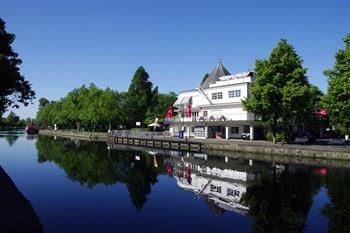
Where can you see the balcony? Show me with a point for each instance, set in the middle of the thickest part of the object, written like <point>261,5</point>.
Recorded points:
<point>231,117</point>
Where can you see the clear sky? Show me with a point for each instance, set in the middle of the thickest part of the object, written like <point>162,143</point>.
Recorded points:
<point>65,44</point>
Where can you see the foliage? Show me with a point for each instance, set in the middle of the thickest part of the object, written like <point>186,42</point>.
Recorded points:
<point>90,108</point>
<point>14,88</point>
<point>281,93</point>
<point>12,119</point>
<point>139,98</point>
<point>338,96</point>
<point>280,136</point>
<point>84,108</point>
<point>161,103</point>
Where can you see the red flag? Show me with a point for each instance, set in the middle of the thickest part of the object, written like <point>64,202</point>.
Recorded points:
<point>188,110</point>
<point>170,112</point>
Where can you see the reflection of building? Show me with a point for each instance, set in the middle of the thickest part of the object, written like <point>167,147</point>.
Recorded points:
<point>221,188</point>
<point>214,109</point>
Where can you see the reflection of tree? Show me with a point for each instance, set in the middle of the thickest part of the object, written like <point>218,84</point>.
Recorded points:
<point>338,211</point>
<point>282,200</point>
<point>89,163</point>
<point>139,180</point>
<point>11,139</point>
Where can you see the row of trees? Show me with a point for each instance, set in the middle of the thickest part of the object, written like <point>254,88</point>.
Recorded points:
<point>92,108</point>
<point>14,121</point>
<point>282,95</point>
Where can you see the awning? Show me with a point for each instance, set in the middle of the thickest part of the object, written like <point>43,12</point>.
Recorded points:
<point>182,101</point>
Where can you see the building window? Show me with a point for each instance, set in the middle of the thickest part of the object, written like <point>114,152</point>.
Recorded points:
<point>199,131</point>
<point>214,188</point>
<point>234,93</point>
<point>205,113</point>
<point>231,192</point>
<point>216,95</point>
<point>235,130</point>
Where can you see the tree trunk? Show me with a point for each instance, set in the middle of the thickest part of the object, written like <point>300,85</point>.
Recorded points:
<point>274,130</point>
<point>274,136</point>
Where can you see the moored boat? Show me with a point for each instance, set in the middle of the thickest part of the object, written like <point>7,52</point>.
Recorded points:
<point>32,129</point>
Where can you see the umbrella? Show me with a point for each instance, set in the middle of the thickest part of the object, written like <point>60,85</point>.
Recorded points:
<point>154,125</point>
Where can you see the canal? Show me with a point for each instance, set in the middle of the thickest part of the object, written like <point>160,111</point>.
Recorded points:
<point>81,186</point>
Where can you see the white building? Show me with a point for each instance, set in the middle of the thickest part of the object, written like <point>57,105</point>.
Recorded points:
<point>217,111</point>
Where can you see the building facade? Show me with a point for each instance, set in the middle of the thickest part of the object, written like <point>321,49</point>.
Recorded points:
<point>214,109</point>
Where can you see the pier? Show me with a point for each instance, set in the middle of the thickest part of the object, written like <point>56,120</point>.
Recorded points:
<point>156,142</point>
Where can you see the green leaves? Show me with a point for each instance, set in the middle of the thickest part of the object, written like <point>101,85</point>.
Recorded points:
<point>92,108</point>
<point>281,92</point>
<point>338,96</point>
<point>14,88</point>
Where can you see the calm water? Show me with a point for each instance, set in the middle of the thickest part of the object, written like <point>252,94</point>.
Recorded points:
<point>77,186</point>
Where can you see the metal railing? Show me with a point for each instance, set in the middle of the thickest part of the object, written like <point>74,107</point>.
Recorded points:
<point>231,117</point>
<point>137,134</point>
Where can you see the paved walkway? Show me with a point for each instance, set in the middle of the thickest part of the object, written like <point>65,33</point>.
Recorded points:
<point>261,143</point>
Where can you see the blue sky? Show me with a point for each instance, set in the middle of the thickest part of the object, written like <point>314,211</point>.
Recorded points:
<point>65,44</point>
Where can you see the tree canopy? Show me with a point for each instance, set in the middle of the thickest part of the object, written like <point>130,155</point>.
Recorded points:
<point>14,89</point>
<point>338,95</point>
<point>91,108</point>
<point>139,97</point>
<point>281,93</point>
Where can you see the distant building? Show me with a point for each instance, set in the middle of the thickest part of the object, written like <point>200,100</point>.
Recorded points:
<point>214,109</point>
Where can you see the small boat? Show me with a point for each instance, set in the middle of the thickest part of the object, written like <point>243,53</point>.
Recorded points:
<point>32,129</point>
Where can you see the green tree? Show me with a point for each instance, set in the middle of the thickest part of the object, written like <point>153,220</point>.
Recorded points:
<point>139,98</point>
<point>87,108</point>
<point>160,105</point>
<point>338,96</point>
<point>43,102</point>
<point>14,88</point>
<point>12,119</point>
<point>281,93</point>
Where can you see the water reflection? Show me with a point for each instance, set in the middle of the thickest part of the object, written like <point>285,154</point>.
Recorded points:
<point>337,183</point>
<point>91,164</point>
<point>277,197</point>
<point>221,187</point>
<point>10,136</point>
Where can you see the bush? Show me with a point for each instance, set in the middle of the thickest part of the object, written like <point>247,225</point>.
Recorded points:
<point>280,136</point>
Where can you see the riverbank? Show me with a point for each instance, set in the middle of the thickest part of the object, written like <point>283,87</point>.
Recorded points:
<point>209,146</point>
<point>93,136</point>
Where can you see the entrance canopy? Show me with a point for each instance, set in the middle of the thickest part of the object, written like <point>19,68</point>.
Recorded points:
<point>182,101</point>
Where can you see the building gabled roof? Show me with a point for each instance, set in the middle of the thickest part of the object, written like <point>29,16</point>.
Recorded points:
<point>214,76</point>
